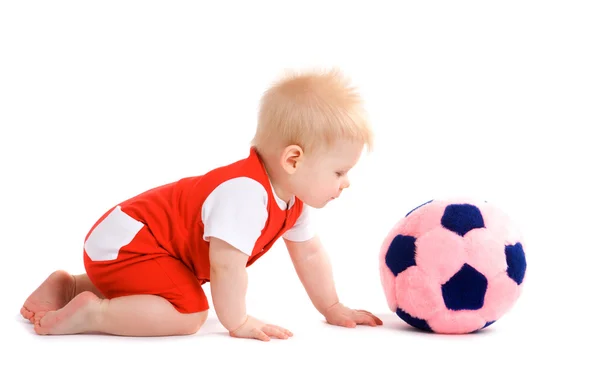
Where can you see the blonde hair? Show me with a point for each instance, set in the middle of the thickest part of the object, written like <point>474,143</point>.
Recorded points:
<point>312,110</point>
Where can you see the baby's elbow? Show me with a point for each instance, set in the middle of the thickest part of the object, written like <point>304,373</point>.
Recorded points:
<point>223,268</point>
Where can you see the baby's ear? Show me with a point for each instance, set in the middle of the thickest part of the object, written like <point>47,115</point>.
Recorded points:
<point>292,155</point>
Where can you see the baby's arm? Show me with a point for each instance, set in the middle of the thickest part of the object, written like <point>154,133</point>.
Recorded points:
<point>314,271</point>
<point>228,283</point>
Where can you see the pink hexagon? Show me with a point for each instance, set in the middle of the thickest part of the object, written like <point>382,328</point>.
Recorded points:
<point>440,253</point>
<point>422,219</point>
<point>485,252</point>
<point>456,322</point>
<point>417,294</point>
<point>500,224</point>
<point>501,294</point>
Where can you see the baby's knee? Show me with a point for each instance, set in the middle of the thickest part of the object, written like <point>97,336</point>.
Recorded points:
<point>193,322</point>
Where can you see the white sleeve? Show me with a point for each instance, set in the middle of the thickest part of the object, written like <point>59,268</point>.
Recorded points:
<point>236,212</point>
<point>302,229</point>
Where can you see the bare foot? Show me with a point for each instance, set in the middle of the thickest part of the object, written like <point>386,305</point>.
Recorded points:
<point>54,293</point>
<point>76,317</point>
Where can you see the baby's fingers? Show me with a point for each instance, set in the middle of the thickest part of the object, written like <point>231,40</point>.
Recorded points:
<point>260,335</point>
<point>277,331</point>
<point>366,318</point>
<point>377,320</point>
<point>289,333</point>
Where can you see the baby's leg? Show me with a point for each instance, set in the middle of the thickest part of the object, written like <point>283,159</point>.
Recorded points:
<point>136,315</point>
<point>148,292</point>
<point>55,292</point>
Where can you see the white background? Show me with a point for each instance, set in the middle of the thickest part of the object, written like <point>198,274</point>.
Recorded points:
<point>497,100</point>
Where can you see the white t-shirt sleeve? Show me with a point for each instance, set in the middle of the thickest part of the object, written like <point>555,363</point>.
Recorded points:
<point>303,229</point>
<point>236,212</point>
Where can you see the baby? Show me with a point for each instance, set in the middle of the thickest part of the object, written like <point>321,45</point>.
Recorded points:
<point>147,258</point>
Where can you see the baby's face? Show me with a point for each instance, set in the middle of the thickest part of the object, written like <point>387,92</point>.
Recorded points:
<point>324,175</point>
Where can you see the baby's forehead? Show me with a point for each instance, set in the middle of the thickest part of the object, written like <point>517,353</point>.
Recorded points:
<point>339,158</point>
<point>340,152</point>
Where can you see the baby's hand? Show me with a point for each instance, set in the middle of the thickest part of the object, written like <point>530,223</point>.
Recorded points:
<point>253,328</point>
<point>340,315</point>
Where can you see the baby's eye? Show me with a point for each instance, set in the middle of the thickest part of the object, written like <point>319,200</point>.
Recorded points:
<point>339,173</point>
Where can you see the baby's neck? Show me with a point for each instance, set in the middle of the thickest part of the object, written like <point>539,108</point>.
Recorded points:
<point>277,180</point>
<point>286,197</point>
<point>280,191</point>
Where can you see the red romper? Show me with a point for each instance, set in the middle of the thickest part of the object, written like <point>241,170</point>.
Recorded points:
<point>155,243</point>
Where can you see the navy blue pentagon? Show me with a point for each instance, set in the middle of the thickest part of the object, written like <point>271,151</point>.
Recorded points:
<point>465,290</point>
<point>418,323</point>
<point>462,218</point>
<point>401,254</point>
<point>515,259</point>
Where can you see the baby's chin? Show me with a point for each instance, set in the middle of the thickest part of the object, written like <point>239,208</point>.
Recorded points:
<point>317,203</point>
<point>326,202</point>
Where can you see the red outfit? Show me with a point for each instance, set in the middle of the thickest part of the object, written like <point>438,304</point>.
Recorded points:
<point>153,243</point>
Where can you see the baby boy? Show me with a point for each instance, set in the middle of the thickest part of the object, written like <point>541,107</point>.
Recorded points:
<point>147,258</point>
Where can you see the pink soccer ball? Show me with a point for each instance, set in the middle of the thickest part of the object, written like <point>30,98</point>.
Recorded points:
<point>452,266</point>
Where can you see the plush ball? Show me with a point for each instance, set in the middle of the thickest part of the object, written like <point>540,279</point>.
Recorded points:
<point>452,266</point>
